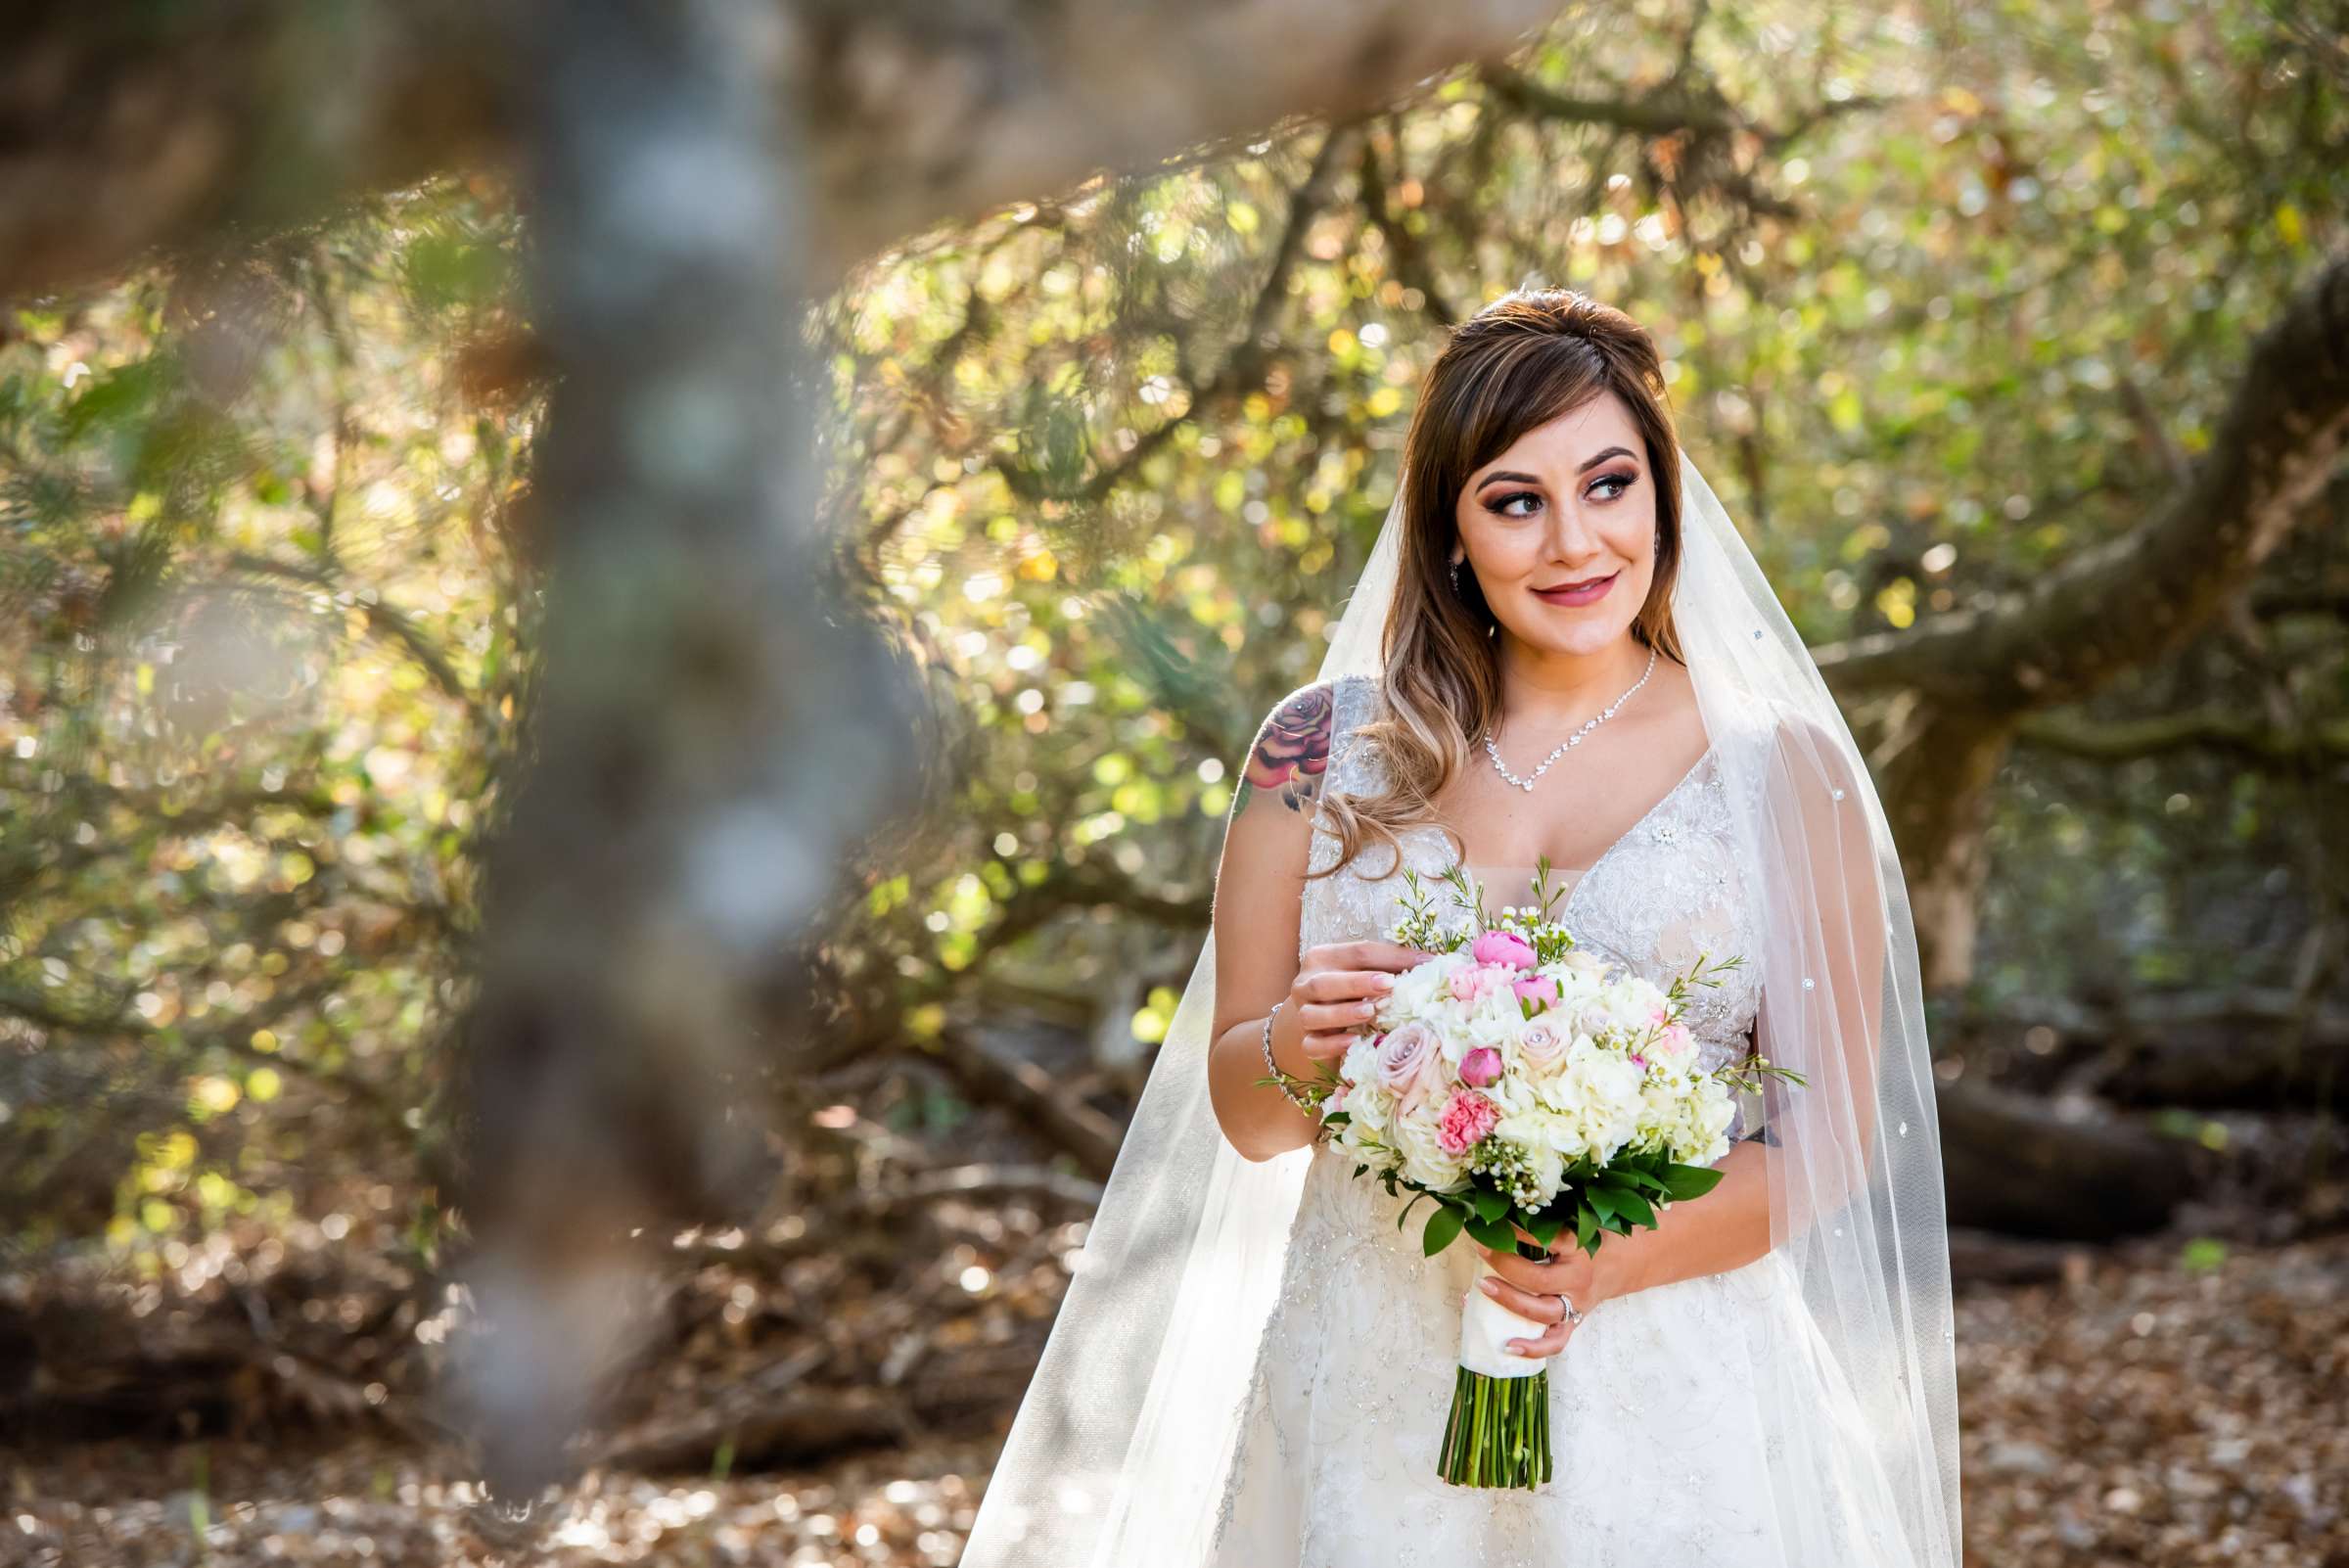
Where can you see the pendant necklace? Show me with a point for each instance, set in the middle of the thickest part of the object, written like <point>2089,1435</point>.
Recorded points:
<point>1572,740</point>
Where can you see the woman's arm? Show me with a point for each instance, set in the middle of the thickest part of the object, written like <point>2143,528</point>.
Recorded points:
<point>1258,899</point>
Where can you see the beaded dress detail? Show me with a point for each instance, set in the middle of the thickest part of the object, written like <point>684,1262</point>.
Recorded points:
<point>1667,1454</point>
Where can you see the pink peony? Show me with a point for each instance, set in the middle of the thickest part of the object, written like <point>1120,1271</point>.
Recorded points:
<point>1544,989</point>
<point>1466,1119</point>
<point>1480,1066</point>
<point>1470,983</point>
<point>1405,1053</point>
<point>1504,947</point>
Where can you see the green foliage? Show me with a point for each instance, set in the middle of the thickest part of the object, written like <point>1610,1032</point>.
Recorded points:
<point>262,636</point>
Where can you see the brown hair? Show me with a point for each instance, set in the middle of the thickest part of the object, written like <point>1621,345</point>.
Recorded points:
<point>1525,360</point>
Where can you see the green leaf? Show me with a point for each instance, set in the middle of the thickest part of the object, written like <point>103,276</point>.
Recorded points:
<point>1686,1182</point>
<point>1585,1226</point>
<point>1634,1207</point>
<point>1600,1200</point>
<point>1493,1234</point>
<point>1443,1226</point>
<point>1489,1205</point>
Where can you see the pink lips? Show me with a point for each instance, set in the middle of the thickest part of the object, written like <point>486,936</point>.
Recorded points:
<point>1585,595</point>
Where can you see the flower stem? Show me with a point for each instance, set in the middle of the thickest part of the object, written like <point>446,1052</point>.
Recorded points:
<point>1498,1431</point>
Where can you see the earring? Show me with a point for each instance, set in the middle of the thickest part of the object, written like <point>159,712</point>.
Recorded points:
<point>1456,578</point>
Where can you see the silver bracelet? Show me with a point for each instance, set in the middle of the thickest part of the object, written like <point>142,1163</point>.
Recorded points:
<point>1279,1077</point>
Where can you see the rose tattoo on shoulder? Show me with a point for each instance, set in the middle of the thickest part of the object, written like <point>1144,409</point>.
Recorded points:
<point>1292,750</point>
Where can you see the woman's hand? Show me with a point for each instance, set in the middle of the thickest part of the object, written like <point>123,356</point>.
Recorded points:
<point>1530,1289</point>
<point>1339,987</point>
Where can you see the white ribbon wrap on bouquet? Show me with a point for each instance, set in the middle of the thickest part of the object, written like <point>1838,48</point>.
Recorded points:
<point>1485,1325</point>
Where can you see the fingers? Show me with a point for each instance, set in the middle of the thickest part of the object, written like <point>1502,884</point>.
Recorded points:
<point>1542,1307</point>
<point>1347,1001</point>
<point>1551,1341</point>
<point>1344,984</point>
<point>1328,1048</point>
<point>1372,954</point>
<point>1332,1028</point>
<point>1542,1278</point>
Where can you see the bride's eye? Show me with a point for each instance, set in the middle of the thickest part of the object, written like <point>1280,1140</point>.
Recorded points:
<point>1624,482</point>
<point>1510,499</point>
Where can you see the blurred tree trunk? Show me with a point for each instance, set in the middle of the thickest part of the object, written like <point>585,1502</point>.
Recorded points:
<point>709,732</point>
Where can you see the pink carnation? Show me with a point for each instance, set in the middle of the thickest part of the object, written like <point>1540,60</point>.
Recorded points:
<point>1504,947</point>
<point>1480,1066</point>
<point>1465,1121</point>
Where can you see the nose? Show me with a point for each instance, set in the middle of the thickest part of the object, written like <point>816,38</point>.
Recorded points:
<point>1570,537</point>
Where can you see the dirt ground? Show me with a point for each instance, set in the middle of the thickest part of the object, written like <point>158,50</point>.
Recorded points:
<point>2157,1405</point>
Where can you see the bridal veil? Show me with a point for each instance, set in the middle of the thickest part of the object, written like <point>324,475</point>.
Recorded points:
<point>1120,1451</point>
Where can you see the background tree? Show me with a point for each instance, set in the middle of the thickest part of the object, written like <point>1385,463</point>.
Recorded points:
<point>331,772</point>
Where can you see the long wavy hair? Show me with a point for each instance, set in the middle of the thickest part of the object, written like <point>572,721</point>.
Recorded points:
<point>1525,360</point>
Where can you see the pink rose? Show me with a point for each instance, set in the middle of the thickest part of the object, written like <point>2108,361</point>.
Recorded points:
<point>1480,1066</point>
<point>1466,985</point>
<point>1403,1054</point>
<point>1504,947</point>
<point>1543,989</point>
<point>1678,1043</point>
<point>1541,1044</point>
<point>1466,1119</point>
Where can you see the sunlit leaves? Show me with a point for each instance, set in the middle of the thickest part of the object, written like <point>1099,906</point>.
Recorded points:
<point>258,568</point>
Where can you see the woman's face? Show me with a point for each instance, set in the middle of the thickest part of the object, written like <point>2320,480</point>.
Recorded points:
<point>1567,502</point>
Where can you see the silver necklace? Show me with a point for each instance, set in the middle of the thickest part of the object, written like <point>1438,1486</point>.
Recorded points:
<point>1572,740</point>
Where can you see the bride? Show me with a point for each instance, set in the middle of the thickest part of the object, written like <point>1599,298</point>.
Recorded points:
<point>1560,648</point>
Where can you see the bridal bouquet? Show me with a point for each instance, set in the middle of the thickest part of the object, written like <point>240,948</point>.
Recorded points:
<point>1521,1082</point>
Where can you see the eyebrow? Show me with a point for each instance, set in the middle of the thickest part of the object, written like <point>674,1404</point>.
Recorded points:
<point>1527,479</point>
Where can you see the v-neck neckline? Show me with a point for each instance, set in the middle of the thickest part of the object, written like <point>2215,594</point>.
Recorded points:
<point>1605,855</point>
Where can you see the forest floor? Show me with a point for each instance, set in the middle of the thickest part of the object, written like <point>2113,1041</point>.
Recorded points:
<point>2161,1403</point>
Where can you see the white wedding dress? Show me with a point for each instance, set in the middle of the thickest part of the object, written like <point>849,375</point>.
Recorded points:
<point>1667,1453</point>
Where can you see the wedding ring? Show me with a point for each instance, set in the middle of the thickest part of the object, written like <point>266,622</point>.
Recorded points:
<point>1571,1316</point>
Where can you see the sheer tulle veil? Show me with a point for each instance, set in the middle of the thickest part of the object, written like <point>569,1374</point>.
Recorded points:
<point>1123,1444</point>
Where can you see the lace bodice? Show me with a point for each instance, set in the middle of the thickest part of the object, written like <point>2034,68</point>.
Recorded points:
<point>1665,893</point>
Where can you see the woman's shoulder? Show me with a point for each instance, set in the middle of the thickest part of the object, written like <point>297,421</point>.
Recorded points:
<point>1309,733</point>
